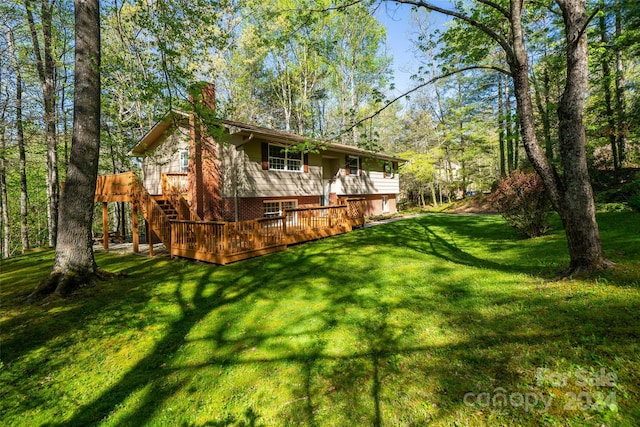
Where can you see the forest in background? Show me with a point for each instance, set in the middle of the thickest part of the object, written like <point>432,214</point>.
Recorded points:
<point>306,68</point>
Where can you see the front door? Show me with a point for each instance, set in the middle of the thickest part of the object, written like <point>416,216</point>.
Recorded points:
<point>326,190</point>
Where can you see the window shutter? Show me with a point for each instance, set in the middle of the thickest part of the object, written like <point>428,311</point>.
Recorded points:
<point>305,159</point>
<point>394,168</point>
<point>346,165</point>
<point>265,156</point>
<point>360,166</point>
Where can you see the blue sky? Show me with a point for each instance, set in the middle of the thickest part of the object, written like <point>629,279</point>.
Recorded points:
<point>400,33</point>
<point>397,20</point>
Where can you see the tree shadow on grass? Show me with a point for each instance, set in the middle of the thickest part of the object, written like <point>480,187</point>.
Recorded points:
<point>356,348</point>
<point>424,236</point>
<point>48,324</point>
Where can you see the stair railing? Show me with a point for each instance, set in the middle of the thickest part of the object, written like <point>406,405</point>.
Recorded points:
<point>153,213</point>
<point>173,193</point>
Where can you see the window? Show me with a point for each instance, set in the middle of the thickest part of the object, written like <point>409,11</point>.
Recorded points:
<point>184,161</point>
<point>353,166</point>
<point>280,158</point>
<point>277,207</point>
<point>389,170</point>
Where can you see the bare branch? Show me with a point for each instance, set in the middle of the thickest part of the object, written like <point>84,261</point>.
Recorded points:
<point>420,86</point>
<point>589,19</point>
<point>504,43</point>
<point>497,7</point>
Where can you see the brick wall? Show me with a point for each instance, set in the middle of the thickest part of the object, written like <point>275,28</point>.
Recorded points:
<point>253,207</point>
<point>373,203</point>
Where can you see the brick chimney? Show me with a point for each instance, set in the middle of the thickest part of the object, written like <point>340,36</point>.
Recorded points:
<point>204,173</point>
<point>203,94</point>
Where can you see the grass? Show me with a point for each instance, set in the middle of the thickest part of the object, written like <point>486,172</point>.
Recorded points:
<point>430,320</point>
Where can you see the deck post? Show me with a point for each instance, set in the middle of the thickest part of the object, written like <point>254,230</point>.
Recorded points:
<point>284,223</point>
<point>149,238</point>
<point>134,227</point>
<point>254,239</point>
<point>225,242</point>
<point>149,228</point>
<point>105,225</point>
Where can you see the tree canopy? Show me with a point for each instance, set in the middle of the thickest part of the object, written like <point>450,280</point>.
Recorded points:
<point>492,93</point>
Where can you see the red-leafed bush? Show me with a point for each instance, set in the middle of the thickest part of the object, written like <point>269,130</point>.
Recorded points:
<point>522,201</point>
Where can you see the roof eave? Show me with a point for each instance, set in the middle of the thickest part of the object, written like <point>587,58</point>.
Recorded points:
<point>151,139</point>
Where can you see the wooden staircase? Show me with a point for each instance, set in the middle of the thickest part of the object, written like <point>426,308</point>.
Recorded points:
<point>167,208</point>
<point>158,211</point>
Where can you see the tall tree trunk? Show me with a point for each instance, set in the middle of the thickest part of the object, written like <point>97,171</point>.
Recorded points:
<point>542,104</point>
<point>501,130</point>
<point>571,193</point>
<point>24,199</point>
<point>606,87</point>
<point>577,204</point>
<point>433,192</point>
<point>516,145</point>
<point>507,126</point>
<point>4,196</point>
<point>45,67</point>
<point>74,264</point>
<point>621,113</point>
<point>22,153</point>
<point>546,121</point>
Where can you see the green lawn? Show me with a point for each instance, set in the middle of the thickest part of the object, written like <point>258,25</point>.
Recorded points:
<point>427,320</point>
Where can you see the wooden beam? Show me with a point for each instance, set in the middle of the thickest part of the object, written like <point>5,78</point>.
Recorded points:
<point>150,238</point>
<point>105,225</point>
<point>134,228</point>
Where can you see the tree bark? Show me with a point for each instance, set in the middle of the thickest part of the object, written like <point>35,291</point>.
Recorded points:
<point>24,199</point>
<point>621,110</point>
<point>5,250</point>
<point>577,206</point>
<point>74,264</point>
<point>571,193</point>
<point>606,87</point>
<point>508,122</point>
<point>45,67</point>
<point>501,130</point>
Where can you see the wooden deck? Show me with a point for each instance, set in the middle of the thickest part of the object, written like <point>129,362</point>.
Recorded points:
<point>224,242</point>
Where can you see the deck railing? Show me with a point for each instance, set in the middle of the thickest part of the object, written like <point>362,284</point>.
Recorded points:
<point>224,242</point>
<point>174,185</point>
<point>115,188</point>
<point>176,180</point>
<point>355,210</point>
<point>153,213</point>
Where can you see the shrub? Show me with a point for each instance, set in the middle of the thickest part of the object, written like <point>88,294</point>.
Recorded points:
<point>628,193</point>
<point>612,207</point>
<point>522,201</point>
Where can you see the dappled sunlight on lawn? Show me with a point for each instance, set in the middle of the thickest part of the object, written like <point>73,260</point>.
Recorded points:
<point>392,325</point>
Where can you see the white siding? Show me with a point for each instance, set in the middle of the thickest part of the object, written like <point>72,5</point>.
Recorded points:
<point>166,158</point>
<point>369,182</point>
<point>243,172</point>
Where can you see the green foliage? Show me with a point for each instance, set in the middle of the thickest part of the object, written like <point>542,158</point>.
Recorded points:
<point>303,71</point>
<point>522,200</point>
<point>390,325</point>
<point>628,193</point>
<point>612,207</point>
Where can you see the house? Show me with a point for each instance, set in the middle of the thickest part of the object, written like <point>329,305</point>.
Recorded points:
<point>234,191</point>
<point>240,172</point>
